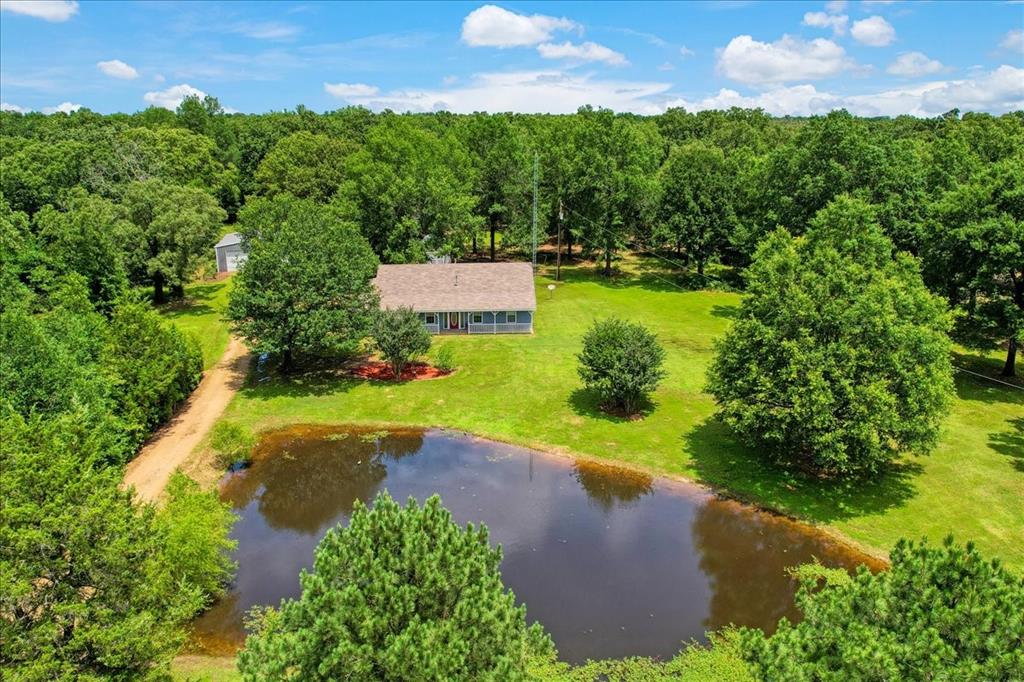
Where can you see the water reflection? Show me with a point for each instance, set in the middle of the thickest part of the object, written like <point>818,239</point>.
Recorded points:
<point>609,486</point>
<point>611,561</point>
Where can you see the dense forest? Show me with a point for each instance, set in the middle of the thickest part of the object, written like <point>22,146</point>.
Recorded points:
<point>103,215</point>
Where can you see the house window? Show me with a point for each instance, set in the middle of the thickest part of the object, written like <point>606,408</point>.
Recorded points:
<point>510,318</point>
<point>430,318</point>
<point>478,318</point>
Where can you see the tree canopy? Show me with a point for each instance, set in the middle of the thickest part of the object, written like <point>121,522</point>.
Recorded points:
<point>838,361</point>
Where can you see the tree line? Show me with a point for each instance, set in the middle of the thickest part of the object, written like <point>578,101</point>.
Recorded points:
<point>699,189</point>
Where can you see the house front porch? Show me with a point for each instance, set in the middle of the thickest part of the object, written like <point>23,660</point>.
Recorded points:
<point>479,322</point>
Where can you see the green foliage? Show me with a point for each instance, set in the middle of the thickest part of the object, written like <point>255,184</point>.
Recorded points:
<point>232,442</point>
<point>155,365</point>
<point>193,527</point>
<point>399,336</point>
<point>304,165</point>
<point>937,614</point>
<point>622,361</point>
<point>89,593</point>
<point>175,228</point>
<point>444,358</point>
<point>305,288</point>
<point>696,211</point>
<point>838,361</point>
<point>720,661</point>
<point>401,593</point>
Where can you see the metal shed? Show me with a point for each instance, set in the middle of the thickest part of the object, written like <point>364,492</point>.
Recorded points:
<point>230,254</point>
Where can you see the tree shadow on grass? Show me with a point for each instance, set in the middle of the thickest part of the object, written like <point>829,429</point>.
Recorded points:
<point>729,312</point>
<point>992,389</point>
<point>268,384</point>
<point>587,403</point>
<point>1011,442</point>
<point>720,460</point>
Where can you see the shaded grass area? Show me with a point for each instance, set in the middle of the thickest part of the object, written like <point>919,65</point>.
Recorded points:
<point>204,669</point>
<point>525,390</point>
<point>202,315</point>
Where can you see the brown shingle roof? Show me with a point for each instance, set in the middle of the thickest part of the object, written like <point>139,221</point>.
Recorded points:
<point>480,287</point>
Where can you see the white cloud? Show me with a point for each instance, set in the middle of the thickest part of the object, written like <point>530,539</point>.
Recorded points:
<point>450,80</point>
<point>266,30</point>
<point>874,31</point>
<point>684,51</point>
<point>835,6</point>
<point>172,96</point>
<point>586,52</point>
<point>115,68</point>
<point>666,66</point>
<point>6,106</point>
<point>492,26</point>
<point>159,78</point>
<point>63,108</point>
<point>350,90</point>
<point>1013,40</point>
<point>997,92</point>
<point>550,91</point>
<point>49,10</point>
<point>837,22</point>
<point>914,64</point>
<point>750,61</point>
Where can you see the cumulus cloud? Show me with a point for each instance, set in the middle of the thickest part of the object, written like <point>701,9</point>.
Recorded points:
<point>48,10</point>
<point>115,68</point>
<point>684,51</point>
<point>914,64</point>
<point>493,26</point>
<point>63,108</point>
<point>1013,40</point>
<point>7,106</point>
<point>586,52</point>
<point>172,96</point>
<point>836,22</point>
<point>788,59</point>
<point>835,6</point>
<point>527,92</point>
<point>998,91</point>
<point>350,90</point>
<point>874,31</point>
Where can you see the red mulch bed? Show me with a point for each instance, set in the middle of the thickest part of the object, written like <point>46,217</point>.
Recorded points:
<point>378,370</point>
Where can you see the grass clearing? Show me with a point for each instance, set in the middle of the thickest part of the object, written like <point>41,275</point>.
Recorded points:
<point>202,314</point>
<point>525,390</point>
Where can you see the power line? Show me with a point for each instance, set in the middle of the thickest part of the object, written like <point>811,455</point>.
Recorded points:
<point>985,376</point>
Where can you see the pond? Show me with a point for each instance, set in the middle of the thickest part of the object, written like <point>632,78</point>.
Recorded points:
<point>611,561</point>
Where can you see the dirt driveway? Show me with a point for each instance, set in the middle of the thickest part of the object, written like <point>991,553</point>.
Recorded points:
<point>172,444</point>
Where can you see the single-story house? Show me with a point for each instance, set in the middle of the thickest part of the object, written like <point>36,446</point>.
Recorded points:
<point>230,254</point>
<point>462,298</point>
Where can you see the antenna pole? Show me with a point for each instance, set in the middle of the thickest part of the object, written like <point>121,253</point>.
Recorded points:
<point>535,211</point>
<point>558,251</point>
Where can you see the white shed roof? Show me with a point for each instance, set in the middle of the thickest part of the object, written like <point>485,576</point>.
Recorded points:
<point>230,239</point>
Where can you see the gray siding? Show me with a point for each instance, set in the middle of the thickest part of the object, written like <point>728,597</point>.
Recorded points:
<point>230,257</point>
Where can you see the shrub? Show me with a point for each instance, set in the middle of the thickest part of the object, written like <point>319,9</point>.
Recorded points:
<point>622,361</point>
<point>401,593</point>
<point>937,614</point>
<point>194,528</point>
<point>838,361</point>
<point>231,443</point>
<point>399,336</point>
<point>444,358</point>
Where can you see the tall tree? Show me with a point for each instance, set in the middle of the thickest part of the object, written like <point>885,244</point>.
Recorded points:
<point>175,228</point>
<point>411,191</point>
<point>502,161</point>
<point>304,165</point>
<point>305,288</point>
<point>839,359</point>
<point>696,210</point>
<point>975,255</point>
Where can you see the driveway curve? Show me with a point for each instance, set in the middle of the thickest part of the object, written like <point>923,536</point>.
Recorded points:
<point>150,471</point>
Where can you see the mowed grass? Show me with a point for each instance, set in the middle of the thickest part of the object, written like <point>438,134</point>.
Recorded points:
<point>202,315</point>
<point>525,390</point>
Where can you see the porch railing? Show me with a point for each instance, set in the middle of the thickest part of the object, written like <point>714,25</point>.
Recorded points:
<point>500,328</point>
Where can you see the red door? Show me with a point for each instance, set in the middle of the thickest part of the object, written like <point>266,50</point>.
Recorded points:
<point>453,320</point>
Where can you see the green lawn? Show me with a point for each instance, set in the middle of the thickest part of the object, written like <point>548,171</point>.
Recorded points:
<point>201,314</point>
<point>524,389</point>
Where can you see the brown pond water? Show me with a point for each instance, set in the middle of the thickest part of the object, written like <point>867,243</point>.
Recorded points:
<point>611,561</point>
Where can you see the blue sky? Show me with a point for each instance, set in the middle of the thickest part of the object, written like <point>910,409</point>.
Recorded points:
<point>888,58</point>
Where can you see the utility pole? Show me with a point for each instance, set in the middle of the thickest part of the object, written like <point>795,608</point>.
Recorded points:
<point>535,211</point>
<point>558,251</point>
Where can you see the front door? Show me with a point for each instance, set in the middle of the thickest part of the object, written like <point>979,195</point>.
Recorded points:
<point>453,320</point>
